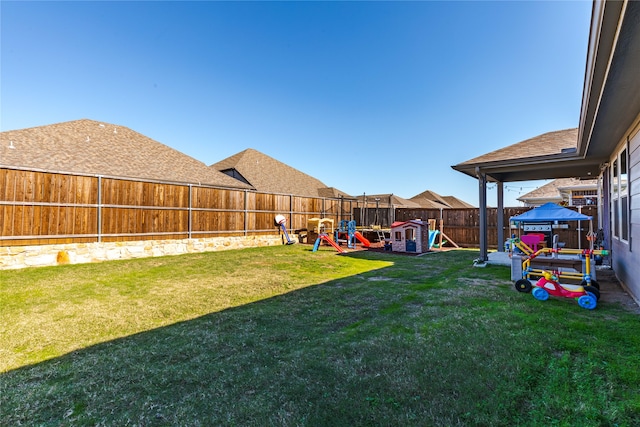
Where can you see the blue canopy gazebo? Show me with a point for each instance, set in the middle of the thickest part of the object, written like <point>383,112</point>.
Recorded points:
<point>552,212</point>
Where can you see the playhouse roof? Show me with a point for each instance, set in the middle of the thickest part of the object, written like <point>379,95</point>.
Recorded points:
<point>550,212</point>
<point>411,221</point>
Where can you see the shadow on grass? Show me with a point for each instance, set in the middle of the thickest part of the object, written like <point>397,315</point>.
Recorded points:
<point>412,344</point>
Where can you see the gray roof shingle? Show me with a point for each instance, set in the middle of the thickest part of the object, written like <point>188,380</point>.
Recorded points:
<point>552,190</point>
<point>269,175</point>
<point>546,144</point>
<point>387,199</point>
<point>97,148</point>
<point>432,200</point>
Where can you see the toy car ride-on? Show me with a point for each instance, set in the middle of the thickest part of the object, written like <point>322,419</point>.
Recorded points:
<point>587,296</point>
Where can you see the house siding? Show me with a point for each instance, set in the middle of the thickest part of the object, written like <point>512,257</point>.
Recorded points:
<point>626,255</point>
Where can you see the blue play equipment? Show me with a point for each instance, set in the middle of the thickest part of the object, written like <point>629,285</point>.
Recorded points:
<point>348,227</point>
<point>432,237</point>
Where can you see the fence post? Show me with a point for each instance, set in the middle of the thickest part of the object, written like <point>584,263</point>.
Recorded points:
<point>246,213</point>
<point>290,211</point>
<point>99,213</point>
<point>189,220</point>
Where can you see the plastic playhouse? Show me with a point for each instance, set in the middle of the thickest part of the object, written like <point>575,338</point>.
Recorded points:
<point>413,235</point>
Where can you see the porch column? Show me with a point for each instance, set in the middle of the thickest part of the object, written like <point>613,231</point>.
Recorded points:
<point>482,186</point>
<point>500,217</point>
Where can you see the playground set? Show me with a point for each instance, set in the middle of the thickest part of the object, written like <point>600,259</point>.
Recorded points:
<point>408,236</point>
<point>345,233</point>
<point>322,231</point>
<point>538,269</point>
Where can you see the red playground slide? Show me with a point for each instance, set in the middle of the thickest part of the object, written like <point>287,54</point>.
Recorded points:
<point>332,243</point>
<point>365,242</point>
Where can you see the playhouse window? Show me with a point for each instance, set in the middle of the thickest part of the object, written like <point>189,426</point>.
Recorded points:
<point>398,236</point>
<point>410,234</point>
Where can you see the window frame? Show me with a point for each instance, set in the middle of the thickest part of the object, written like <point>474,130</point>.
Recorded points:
<point>619,195</point>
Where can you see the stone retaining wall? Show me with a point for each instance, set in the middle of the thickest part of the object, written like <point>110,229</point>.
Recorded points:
<point>14,257</point>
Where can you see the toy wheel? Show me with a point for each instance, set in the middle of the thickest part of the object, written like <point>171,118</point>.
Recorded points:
<point>593,283</point>
<point>540,294</point>
<point>593,291</point>
<point>587,301</point>
<point>523,285</point>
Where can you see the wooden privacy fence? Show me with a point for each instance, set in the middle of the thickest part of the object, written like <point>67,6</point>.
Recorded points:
<point>463,225</point>
<point>43,208</point>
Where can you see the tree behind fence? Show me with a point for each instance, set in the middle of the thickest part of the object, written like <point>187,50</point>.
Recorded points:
<point>44,208</point>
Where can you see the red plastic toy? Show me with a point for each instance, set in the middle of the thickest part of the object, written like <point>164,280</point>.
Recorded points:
<point>587,296</point>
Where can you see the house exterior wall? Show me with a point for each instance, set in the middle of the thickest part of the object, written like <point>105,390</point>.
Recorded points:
<point>625,256</point>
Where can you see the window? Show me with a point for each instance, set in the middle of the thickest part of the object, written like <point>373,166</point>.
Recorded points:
<point>620,196</point>
<point>398,236</point>
<point>410,234</point>
<point>584,197</point>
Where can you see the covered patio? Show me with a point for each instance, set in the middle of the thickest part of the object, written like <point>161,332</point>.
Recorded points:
<point>547,156</point>
<point>606,144</point>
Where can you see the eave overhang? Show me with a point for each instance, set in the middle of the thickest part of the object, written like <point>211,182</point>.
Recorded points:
<point>534,168</point>
<point>611,94</point>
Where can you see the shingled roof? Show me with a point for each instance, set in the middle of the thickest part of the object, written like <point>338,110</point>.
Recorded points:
<point>552,191</point>
<point>389,199</point>
<point>456,203</point>
<point>269,175</point>
<point>96,148</point>
<point>550,155</point>
<point>546,144</point>
<point>432,200</point>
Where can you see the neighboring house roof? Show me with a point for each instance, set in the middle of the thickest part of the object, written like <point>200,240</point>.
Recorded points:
<point>334,193</point>
<point>456,203</point>
<point>269,175</point>
<point>553,190</point>
<point>97,148</point>
<point>389,199</point>
<point>432,200</point>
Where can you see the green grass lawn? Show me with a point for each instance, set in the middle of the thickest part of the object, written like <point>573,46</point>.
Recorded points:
<point>288,337</point>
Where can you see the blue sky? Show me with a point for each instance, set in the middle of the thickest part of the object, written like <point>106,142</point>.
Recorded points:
<point>368,97</point>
